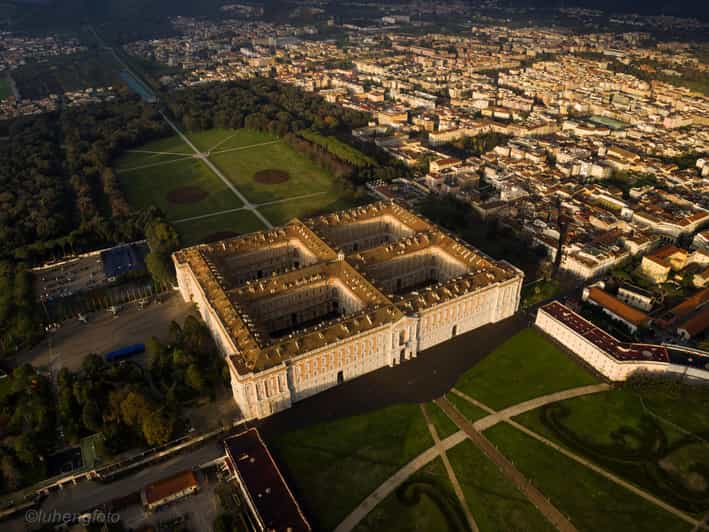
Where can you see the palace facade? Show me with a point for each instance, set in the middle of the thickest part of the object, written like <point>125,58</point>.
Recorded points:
<point>303,307</point>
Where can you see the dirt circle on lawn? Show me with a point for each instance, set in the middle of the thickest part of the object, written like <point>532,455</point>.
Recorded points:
<point>271,176</point>
<point>188,194</point>
<point>220,235</point>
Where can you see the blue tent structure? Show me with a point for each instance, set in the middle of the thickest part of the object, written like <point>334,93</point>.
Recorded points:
<point>122,259</point>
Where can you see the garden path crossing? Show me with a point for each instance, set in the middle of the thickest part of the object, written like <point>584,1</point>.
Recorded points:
<point>393,482</point>
<point>449,470</point>
<point>247,204</point>
<point>508,469</point>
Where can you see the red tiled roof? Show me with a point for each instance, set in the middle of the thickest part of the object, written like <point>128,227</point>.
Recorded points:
<point>252,462</point>
<point>164,488</point>
<point>622,351</point>
<point>698,323</point>
<point>617,307</point>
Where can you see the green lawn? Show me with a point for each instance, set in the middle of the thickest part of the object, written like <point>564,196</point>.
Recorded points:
<point>538,292</point>
<point>338,148</point>
<point>215,140</point>
<point>333,466</point>
<point>151,186</point>
<point>148,174</point>
<point>198,231</point>
<point>329,201</point>
<point>591,501</point>
<point>668,458</point>
<point>444,426</point>
<point>469,410</point>
<point>494,502</point>
<point>241,165</point>
<point>425,502</point>
<point>527,365</point>
<point>172,148</point>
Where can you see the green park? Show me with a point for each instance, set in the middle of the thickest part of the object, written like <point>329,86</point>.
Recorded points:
<point>640,436</point>
<point>279,181</point>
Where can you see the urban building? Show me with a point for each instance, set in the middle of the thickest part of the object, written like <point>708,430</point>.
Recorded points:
<point>612,358</point>
<point>306,306</point>
<point>266,493</point>
<point>168,490</point>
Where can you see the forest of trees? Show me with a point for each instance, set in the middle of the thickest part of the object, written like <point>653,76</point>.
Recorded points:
<point>58,192</point>
<point>27,427</point>
<point>261,103</point>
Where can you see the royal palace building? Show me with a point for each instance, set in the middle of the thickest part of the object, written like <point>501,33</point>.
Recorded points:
<point>303,307</point>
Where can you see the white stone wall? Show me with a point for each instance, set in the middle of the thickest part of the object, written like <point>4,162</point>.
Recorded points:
<point>264,393</point>
<point>606,365</point>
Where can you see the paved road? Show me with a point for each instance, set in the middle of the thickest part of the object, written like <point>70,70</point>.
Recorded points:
<point>449,470</point>
<point>68,346</point>
<point>247,204</point>
<point>550,512</point>
<point>90,494</point>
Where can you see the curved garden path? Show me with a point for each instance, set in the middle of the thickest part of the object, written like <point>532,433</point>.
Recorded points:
<point>398,478</point>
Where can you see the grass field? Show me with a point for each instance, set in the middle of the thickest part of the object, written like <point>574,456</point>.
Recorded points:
<point>591,501</point>
<point>216,140</point>
<point>223,225</point>
<point>305,176</point>
<point>493,500</point>
<point>333,466</point>
<point>425,502</point>
<point>329,201</point>
<point>157,172</point>
<point>444,426</point>
<point>525,366</point>
<point>151,186</point>
<point>338,148</point>
<point>668,457</point>
<point>172,148</point>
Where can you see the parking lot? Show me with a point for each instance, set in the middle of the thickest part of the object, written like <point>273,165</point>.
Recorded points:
<point>103,332</point>
<point>69,277</point>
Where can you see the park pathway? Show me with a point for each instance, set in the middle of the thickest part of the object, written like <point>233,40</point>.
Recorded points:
<point>247,204</point>
<point>508,413</point>
<point>393,482</point>
<point>449,469</point>
<point>264,204</point>
<point>507,468</point>
<point>520,408</point>
<point>396,480</point>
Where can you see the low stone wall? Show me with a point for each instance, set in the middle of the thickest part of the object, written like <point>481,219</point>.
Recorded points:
<point>608,366</point>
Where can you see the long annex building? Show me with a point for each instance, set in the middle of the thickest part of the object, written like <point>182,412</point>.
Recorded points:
<point>306,306</point>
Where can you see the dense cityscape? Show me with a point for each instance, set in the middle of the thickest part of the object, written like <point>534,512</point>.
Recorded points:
<point>317,265</point>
